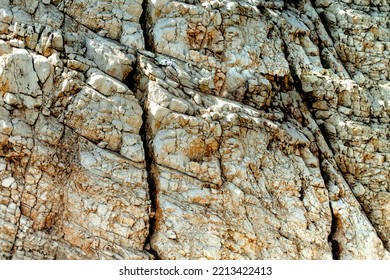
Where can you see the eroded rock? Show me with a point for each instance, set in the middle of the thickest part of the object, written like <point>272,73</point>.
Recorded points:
<point>194,129</point>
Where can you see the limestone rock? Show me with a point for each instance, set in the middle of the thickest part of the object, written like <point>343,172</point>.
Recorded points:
<point>67,192</point>
<point>141,129</point>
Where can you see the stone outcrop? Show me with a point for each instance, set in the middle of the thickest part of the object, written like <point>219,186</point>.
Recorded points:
<point>194,129</point>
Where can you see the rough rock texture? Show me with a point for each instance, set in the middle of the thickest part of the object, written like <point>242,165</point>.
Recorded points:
<point>198,129</point>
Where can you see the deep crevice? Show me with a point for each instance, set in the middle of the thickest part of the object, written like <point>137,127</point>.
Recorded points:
<point>301,194</point>
<point>132,81</point>
<point>148,39</point>
<point>335,244</point>
<point>151,186</point>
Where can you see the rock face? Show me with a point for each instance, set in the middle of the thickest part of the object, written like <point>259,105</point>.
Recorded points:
<point>194,129</point>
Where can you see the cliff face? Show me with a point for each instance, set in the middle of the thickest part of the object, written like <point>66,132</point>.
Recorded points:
<point>198,129</point>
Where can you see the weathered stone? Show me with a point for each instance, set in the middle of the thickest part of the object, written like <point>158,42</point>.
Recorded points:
<point>194,129</point>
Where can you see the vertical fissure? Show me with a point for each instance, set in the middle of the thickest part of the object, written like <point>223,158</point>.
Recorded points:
<point>151,185</point>
<point>148,40</point>
<point>331,237</point>
<point>133,82</point>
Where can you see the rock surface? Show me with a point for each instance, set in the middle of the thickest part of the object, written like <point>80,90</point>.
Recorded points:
<point>194,129</point>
